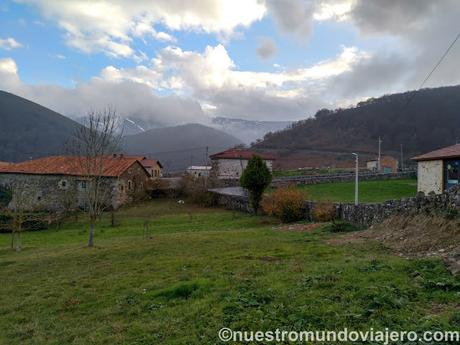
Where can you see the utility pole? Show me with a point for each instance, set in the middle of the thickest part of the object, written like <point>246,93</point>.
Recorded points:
<point>356,178</point>
<point>206,167</point>
<point>402,158</point>
<point>378,160</point>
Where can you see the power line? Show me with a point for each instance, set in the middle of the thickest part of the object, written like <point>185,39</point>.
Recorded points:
<point>436,66</point>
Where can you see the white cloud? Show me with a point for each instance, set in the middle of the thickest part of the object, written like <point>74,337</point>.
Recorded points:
<point>9,43</point>
<point>8,66</point>
<point>110,26</point>
<point>213,79</point>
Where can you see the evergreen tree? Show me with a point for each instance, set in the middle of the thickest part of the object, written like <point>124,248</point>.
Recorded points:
<point>256,178</point>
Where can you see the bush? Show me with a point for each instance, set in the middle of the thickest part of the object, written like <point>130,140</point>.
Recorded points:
<point>31,222</point>
<point>324,212</point>
<point>286,203</point>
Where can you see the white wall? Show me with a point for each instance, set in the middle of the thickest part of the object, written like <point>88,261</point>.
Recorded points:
<point>233,168</point>
<point>430,176</point>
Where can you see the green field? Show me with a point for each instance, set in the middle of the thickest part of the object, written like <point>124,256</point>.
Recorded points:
<point>369,191</point>
<point>203,269</point>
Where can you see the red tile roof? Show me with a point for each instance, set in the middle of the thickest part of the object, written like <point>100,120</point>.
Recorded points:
<point>446,152</point>
<point>240,154</point>
<point>3,164</point>
<point>148,163</point>
<point>69,165</point>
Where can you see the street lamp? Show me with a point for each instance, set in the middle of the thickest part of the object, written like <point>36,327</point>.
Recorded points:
<point>356,177</point>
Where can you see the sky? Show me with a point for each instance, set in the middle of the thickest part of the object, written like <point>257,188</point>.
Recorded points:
<point>180,61</point>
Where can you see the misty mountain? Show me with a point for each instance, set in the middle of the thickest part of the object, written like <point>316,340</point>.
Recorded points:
<point>419,120</point>
<point>248,131</point>
<point>28,130</point>
<point>180,146</point>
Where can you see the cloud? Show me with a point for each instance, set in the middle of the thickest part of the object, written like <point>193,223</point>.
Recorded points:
<point>110,27</point>
<point>9,43</point>
<point>266,49</point>
<point>213,79</point>
<point>292,16</point>
<point>8,66</point>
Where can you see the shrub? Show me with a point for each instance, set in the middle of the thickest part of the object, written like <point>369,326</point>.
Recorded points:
<point>324,212</point>
<point>286,203</point>
<point>256,178</point>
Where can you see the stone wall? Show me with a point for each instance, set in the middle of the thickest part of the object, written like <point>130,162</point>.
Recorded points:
<point>316,179</point>
<point>367,214</point>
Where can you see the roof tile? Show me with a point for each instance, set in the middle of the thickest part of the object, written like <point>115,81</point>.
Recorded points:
<point>446,152</point>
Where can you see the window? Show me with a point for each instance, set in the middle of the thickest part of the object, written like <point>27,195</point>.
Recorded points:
<point>130,185</point>
<point>452,173</point>
<point>63,184</point>
<point>82,185</point>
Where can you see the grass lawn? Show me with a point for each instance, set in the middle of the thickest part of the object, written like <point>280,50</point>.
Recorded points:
<point>204,269</point>
<point>369,191</point>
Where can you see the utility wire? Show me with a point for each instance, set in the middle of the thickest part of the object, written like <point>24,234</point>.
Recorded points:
<point>436,66</point>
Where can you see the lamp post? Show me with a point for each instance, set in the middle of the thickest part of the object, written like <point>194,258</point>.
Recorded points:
<point>356,177</point>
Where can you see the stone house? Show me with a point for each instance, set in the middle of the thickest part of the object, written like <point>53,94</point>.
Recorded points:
<point>199,170</point>
<point>60,182</point>
<point>388,164</point>
<point>230,164</point>
<point>153,166</point>
<point>438,170</point>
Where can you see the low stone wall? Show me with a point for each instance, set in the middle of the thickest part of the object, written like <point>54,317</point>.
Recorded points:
<point>366,214</point>
<point>234,202</point>
<point>316,179</point>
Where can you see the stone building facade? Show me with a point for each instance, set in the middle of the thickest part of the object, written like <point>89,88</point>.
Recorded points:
<point>439,170</point>
<point>54,183</point>
<point>230,164</point>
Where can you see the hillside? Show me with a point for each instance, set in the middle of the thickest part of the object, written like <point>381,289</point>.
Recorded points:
<point>180,146</point>
<point>28,130</point>
<point>248,130</point>
<point>419,120</point>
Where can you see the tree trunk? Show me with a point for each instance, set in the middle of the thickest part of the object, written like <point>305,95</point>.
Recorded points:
<point>18,241</point>
<point>91,234</point>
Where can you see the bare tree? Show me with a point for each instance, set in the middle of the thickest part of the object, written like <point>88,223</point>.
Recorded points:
<point>92,144</point>
<point>19,204</point>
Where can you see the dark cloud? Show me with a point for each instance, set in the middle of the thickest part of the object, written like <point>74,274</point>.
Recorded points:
<point>267,48</point>
<point>292,16</point>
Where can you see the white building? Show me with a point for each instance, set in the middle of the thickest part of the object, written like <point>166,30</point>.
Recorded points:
<point>199,170</point>
<point>439,170</point>
<point>231,163</point>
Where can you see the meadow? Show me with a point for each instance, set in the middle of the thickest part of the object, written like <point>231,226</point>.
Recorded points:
<point>200,269</point>
<point>369,191</point>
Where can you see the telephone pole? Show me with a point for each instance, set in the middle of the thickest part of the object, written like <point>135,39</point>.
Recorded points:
<point>402,158</point>
<point>378,160</point>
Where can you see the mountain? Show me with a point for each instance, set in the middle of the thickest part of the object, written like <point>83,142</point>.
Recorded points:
<point>420,121</point>
<point>180,146</point>
<point>28,130</point>
<point>246,130</point>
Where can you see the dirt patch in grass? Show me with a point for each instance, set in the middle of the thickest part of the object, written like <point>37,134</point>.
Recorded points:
<point>417,236</point>
<point>297,227</point>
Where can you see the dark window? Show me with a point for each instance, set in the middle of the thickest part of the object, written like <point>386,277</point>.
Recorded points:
<point>452,172</point>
